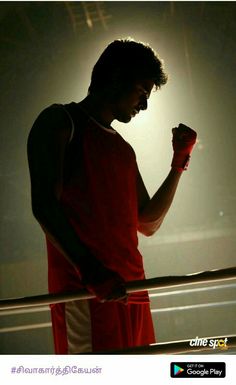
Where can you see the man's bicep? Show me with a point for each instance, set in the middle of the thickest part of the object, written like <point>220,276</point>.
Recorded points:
<point>46,146</point>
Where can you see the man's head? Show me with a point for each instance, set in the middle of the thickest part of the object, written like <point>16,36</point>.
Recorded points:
<point>125,74</point>
<point>122,63</point>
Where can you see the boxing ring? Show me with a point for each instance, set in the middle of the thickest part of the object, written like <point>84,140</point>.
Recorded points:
<point>41,302</point>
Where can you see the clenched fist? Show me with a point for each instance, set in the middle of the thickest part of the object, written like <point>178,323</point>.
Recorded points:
<point>183,141</point>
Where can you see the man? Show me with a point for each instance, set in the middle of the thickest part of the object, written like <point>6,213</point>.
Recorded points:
<point>89,198</point>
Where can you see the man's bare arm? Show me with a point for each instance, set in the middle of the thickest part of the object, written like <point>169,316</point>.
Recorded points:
<point>47,144</point>
<point>153,211</point>
<point>46,148</point>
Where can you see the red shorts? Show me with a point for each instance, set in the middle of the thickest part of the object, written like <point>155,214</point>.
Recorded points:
<point>90,326</point>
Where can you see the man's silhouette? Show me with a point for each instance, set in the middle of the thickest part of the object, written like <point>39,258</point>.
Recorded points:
<point>90,200</point>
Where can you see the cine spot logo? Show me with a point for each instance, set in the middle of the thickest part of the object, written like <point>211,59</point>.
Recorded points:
<point>212,343</point>
<point>197,369</point>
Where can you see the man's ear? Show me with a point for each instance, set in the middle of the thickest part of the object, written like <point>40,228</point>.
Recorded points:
<point>117,84</point>
<point>115,79</point>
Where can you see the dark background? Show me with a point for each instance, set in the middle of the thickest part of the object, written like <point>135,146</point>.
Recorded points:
<point>43,60</point>
<point>45,57</point>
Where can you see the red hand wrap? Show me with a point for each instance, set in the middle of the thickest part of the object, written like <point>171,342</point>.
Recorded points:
<point>183,141</point>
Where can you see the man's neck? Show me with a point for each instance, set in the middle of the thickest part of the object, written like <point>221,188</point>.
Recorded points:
<point>98,109</point>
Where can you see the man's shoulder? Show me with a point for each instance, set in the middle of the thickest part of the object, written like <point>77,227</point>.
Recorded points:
<point>56,108</point>
<point>53,119</point>
<point>60,113</point>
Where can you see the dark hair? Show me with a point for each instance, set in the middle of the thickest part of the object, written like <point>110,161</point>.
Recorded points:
<point>122,62</point>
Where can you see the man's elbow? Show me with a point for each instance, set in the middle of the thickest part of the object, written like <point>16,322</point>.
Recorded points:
<point>149,228</point>
<point>146,232</point>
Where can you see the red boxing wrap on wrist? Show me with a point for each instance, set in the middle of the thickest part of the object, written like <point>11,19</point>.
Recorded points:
<point>183,142</point>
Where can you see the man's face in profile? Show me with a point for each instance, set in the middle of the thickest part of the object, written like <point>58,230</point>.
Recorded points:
<point>133,100</point>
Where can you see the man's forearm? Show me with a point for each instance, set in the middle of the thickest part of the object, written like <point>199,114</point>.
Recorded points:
<point>56,226</point>
<point>154,212</point>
